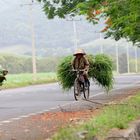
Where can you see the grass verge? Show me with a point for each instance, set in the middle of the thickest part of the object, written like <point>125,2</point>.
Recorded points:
<point>113,116</point>
<point>20,80</point>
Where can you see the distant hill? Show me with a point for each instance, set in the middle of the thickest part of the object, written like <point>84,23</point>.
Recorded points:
<point>51,35</point>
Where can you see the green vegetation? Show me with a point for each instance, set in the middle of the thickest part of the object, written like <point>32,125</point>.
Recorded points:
<point>113,116</point>
<point>100,71</point>
<point>20,80</point>
<point>16,64</point>
<point>122,16</point>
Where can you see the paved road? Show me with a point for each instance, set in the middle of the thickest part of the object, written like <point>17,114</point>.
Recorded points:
<point>35,99</point>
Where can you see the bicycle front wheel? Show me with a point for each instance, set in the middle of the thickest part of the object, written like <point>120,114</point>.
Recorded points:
<point>86,92</point>
<point>77,92</point>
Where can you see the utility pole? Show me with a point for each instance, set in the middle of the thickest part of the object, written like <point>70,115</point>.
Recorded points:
<point>75,35</point>
<point>34,69</point>
<point>127,53</point>
<point>117,58</point>
<point>100,37</point>
<point>74,31</point>
<point>136,59</point>
<point>101,46</point>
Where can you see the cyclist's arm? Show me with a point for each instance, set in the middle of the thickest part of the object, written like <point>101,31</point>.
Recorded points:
<point>73,64</point>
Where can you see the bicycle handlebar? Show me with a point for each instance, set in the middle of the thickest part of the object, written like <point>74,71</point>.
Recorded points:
<point>81,70</point>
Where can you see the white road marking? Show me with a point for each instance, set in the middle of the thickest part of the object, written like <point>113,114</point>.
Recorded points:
<point>40,112</point>
<point>8,121</point>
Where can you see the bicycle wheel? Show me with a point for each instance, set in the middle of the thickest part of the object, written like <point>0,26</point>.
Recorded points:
<point>86,92</point>
<point>77,92</point>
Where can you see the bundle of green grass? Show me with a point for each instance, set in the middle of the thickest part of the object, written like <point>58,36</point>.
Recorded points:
<point>100,71</point>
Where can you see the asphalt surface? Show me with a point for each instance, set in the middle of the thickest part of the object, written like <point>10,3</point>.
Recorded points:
<point>36,112</point>
<point>35,99</point>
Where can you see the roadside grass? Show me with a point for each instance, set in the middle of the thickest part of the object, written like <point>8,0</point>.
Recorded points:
<point>112,116</point>
<point>21,80</point>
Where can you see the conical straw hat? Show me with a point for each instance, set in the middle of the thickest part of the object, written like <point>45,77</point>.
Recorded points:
<point>79,51</point>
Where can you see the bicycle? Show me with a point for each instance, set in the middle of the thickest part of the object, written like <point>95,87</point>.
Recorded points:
<point>81,86</point>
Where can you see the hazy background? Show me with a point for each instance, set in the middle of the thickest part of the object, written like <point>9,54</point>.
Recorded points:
<point>53,39</point>
<point>52,36</point>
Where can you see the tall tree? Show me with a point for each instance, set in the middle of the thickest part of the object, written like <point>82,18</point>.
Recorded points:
<point>122,16</point>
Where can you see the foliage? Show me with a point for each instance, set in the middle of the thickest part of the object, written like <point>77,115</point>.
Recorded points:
<point>125,19</point>
<point>65,74</point>
<point>60,7</point>
<point>122,16</point>
<point>100,71</point>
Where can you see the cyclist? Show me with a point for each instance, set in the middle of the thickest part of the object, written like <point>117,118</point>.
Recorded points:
<point>81,62</point>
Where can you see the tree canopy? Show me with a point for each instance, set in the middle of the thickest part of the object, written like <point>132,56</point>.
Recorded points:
<point>122,17</point>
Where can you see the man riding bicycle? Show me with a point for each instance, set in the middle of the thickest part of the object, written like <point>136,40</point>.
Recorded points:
<point>81,62</point>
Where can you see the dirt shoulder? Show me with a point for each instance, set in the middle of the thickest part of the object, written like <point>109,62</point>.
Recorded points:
<point>43,126</point>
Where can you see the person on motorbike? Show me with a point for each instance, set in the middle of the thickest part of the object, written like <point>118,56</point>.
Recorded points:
<point>3,73</point>
<point>81,62</point>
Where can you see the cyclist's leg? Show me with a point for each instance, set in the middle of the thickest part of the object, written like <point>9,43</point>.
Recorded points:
<point>87,82</point>
<point>76,87</point>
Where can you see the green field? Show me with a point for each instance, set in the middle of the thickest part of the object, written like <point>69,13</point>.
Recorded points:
<point>113,116</point>
<point>20,80</point>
